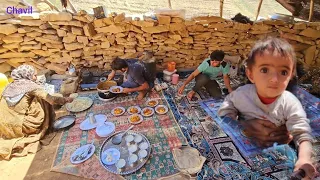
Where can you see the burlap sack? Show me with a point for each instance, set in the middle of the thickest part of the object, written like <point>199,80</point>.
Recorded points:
<point>69,86</point>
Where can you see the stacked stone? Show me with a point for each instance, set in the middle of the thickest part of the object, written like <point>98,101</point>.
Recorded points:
<point>52,40</point>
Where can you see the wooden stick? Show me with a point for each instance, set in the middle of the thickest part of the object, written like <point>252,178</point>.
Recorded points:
<point>72,7</point>
<point>221,7</point>
<point>311,10</point>
<point>286,5</point>
<point>259,7</point>
<point>51,5</point>
<point>169,2</point>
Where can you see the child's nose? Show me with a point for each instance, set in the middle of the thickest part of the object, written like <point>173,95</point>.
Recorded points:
<point>274,78</point>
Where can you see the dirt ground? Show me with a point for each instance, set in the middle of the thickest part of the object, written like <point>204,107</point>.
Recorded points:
<point>34,166</point>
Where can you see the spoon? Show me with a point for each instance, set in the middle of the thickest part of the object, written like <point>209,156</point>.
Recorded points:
<point>118,138</point>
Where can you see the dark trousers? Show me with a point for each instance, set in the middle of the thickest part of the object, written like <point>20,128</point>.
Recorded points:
<point>211,86</point>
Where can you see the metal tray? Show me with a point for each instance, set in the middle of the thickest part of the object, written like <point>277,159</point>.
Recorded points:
<point>64,121</point>
<point>123,148</point>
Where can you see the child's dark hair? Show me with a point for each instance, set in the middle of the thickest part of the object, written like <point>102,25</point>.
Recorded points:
<point>118,64</point>
<point>217,55</point>
<point>276,46</point>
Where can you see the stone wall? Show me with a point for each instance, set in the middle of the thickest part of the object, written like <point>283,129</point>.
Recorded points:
<point>53,40</point>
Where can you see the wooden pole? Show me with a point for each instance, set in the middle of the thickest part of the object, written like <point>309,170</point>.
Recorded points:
<point>259,7</point>
<point>286,5</point>
<point>311,10</point>
<point>34,8</point>
<point>221,7</point>
<point>51,5</point>
<point>169,3</point>
<point>72,7</point>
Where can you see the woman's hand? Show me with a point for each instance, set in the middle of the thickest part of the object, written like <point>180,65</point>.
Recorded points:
<point>266,132</point>
<point>69,99</point>
<point>180,91</point>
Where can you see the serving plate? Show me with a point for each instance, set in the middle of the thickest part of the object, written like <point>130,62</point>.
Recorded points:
<point>123,148</point>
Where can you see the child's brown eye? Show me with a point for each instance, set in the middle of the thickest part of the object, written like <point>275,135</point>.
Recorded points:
<point>264,70</point>
<point>284,72</point>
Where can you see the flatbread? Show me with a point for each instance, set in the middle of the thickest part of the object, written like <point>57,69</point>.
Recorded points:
<point>188,160</point>
<point>79,104</point>
<point>73,95</point>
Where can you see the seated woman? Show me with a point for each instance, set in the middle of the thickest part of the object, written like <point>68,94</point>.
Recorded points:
<point>25,113</point>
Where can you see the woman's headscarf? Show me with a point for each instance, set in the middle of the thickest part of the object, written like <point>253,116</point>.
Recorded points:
<point>23,82</point>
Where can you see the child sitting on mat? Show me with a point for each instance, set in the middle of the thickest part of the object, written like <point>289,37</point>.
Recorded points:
<point>270,66</point>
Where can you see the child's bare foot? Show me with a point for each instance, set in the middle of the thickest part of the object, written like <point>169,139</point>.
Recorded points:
<point>190,94</point>
<point>141,95</point>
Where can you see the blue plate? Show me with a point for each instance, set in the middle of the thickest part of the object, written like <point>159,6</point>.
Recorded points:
<point>114,156</point>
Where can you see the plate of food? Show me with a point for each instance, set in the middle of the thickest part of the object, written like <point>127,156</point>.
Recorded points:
<point>161,109</point>
<point>152,103</point>
<point>110,156</point>
<point>135,119</point>
<point>79,104</point>
<point>118,111</point>
<point>125,162</point>
<point>116,89</point>
<point>134,110</point>
<point>147,111</point>
<point>82,154</point>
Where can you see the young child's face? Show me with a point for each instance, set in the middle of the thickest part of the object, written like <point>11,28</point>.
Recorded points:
<point>214,63</point>
<point>270,74</point>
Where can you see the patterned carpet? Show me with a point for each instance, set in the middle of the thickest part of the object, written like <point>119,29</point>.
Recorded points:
<point>162,131</point>
<point>225,160</point>
<point>187,123</point>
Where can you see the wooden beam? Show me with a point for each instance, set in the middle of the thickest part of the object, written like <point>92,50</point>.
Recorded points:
<point>286,5</point>
<point>259,7</point>
<point>311,10</point>
<point>72,7</point>
<point>51,5</point>
<point>169,3</point>
<point>34,8</point>
<point>221,7</point>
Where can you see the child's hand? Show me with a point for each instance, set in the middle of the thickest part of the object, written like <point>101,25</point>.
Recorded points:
<point>265,132</point>
<point>180,91</point>
<point>306,165</point>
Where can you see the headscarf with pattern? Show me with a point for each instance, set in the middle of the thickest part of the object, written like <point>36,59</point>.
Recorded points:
<point>23,82</point>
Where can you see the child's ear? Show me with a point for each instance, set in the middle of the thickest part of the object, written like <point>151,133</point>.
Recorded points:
<point>249,75</point>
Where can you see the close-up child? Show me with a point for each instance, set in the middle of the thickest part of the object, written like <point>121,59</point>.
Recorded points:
<point>270,66</point>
